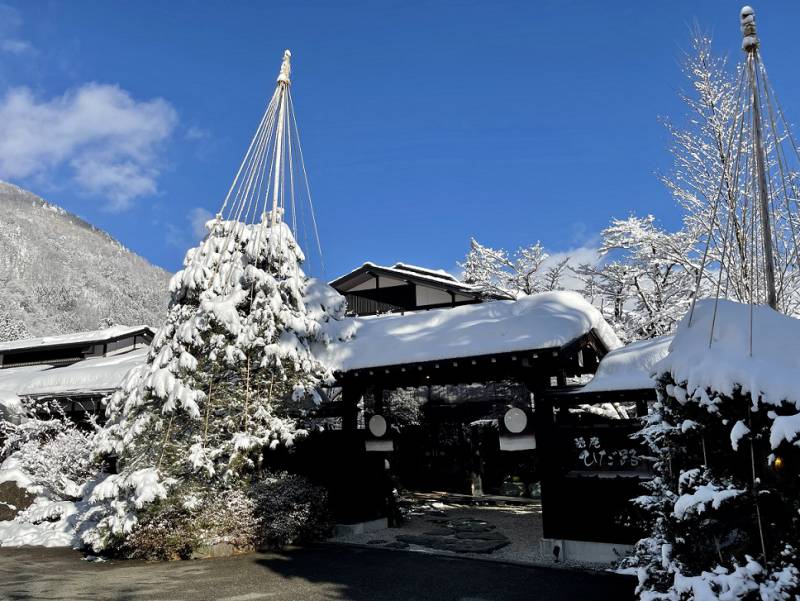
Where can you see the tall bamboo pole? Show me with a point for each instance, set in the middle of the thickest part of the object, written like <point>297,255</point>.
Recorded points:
<point>750,45</point>
<point>283,82</point>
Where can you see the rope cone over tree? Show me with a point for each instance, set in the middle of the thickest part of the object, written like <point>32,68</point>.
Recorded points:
<point>723,510</point>
<point>232,367</point>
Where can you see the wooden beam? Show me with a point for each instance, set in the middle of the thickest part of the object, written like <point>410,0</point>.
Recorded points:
<point>351,395</point>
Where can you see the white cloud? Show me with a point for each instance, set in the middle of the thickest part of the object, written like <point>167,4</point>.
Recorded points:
<point>198,218</point>
<point>576,256</point>
<point>197,133</point>
<point>16,46</point>
<point>10,22</point>
<point>108,142</point>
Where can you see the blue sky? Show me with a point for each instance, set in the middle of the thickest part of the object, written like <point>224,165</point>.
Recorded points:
<point>423,124</point>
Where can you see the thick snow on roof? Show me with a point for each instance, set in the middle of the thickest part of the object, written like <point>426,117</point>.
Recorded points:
<point>77,338</point>
<point>772,370</point>
<point>437,273</point>
<point>546,320</point>
<point>404,270</point>
<point>629,367</point>
<point>91,375</point>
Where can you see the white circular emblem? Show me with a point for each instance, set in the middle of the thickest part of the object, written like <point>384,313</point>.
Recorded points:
<point>515,420</point>
<point>377,426</point>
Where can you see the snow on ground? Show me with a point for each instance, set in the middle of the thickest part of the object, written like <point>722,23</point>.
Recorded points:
<point>10,405</point>
<point>771,371</point>
<point>538,321</point>
<point>48,524</point>
<point>629,367</point>
<point>11,471</point>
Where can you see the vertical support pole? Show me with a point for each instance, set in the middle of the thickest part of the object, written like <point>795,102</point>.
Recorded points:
<point>766,226</point>
<point>544,427</point>
<point>350,398</point>
<point>379,405</point>
<point>283,83</point>
<point>750,46</point>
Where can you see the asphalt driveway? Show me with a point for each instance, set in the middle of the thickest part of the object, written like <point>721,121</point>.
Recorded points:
<point>325,572</point>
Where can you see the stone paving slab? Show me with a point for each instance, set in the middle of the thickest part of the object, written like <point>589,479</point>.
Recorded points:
<point>521,525</point>
<point>455,545</point>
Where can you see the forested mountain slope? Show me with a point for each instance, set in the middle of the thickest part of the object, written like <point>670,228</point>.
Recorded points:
<point>59,274</point>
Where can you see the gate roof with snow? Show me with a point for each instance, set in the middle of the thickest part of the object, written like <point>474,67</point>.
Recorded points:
<point>474,342</point>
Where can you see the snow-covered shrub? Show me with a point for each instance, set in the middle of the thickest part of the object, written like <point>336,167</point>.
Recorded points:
<point>279,510</point>
<point>179,526</point>
<point>53,453</point>
<point>229,517</point>
<point>290,509</point>
<point>724,508</point>
<point>163,532</point>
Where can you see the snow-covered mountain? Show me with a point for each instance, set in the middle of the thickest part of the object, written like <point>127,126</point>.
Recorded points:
<point>59,274</point>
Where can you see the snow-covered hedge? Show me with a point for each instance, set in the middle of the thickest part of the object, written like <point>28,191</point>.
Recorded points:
<point>278,510</point>
<point>290,509</point>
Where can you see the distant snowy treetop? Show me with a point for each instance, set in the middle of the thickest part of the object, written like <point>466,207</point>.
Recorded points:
<point>771,371</point>
<point>630,367</point>
<point>538,321</point>
<point>77,338</point>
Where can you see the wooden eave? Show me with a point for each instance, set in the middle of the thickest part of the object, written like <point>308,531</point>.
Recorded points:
<point>574,358</point>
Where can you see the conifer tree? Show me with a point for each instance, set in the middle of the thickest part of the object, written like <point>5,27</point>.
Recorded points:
<point>723,508</point>
<point>233,367</point>
<point>226,375</point>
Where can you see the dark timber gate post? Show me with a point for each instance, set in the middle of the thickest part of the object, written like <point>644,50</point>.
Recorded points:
<point>351,395</point>
<point>377,392</point>
<point>544,427</point>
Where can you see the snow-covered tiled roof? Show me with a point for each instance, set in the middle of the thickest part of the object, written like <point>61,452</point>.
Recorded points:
<point>95,336</point>
<point>97,375</point>
<point>538,321</point>
<point>629,367</point>
<point>436,273</point>
<point>437,277</point>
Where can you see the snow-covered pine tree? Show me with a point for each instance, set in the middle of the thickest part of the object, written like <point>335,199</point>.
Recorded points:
<point>232,368</point>
<point>724,508</point>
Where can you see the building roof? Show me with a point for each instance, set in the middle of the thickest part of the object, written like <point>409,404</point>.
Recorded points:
<point>77,339</point>
<point>629,367</point>
<point>403,271</point>
<point>539,321</point>
<point>92,376</point>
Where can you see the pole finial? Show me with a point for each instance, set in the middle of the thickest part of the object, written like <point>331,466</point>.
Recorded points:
<point>286,68</point>
<point>747,18</point>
